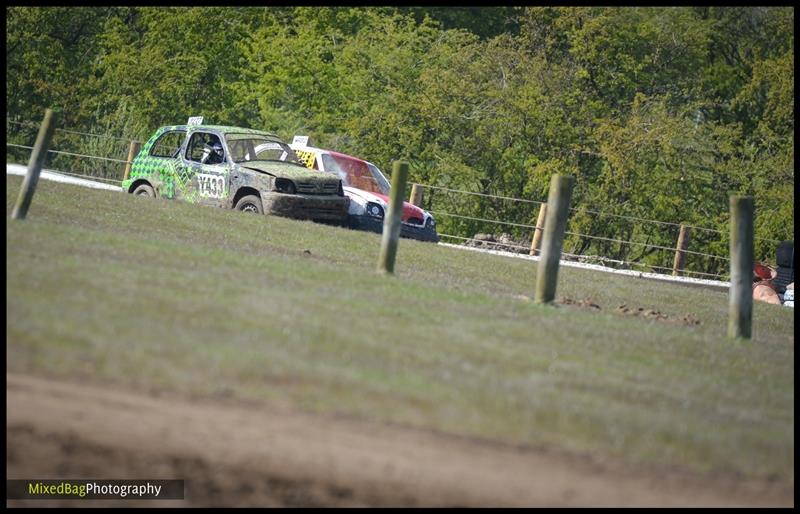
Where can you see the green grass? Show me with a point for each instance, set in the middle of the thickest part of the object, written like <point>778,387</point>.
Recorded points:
<point>153,294</point>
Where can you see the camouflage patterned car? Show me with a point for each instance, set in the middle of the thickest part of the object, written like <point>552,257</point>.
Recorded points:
<point>220,166</point>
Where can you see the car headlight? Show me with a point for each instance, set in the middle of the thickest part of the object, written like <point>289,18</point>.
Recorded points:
<point>374,210</point>
<point>431,222</point>
<point>284,185</point>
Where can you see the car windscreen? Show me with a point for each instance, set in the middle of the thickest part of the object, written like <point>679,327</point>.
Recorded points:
<point>248,147</point>
<point>356,173</point>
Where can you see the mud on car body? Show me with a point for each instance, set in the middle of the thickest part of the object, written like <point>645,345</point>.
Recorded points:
<point>368,190</point>
<point>235,168</point>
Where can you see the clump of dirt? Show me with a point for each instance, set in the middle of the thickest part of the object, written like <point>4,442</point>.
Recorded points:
<point>687,319</point>
<point>584,303</point>
<point>625,310</point>
<point>642,312</point>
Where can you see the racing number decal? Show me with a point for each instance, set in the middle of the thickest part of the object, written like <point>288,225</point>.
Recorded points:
<point>306,157</point>
<point>212,186</point>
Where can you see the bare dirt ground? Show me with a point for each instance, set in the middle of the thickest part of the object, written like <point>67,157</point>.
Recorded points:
<point>240,453</point>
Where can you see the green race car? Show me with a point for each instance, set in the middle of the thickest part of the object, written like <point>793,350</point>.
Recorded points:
<point>235,168</point>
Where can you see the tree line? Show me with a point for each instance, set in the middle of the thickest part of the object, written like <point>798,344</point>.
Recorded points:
<point>659,112</point>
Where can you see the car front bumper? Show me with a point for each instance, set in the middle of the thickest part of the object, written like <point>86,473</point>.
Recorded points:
<point>306,207</point>
<point>372,224</point>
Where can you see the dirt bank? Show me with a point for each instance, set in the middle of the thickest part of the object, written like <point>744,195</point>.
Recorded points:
<point>259,454</point>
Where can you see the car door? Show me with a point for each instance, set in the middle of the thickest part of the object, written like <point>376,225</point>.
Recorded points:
<point>160,163</point>
<point>204,175</point>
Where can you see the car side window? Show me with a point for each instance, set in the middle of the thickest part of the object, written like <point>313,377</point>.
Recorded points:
<point>205,148</point>
<point>169,144</point>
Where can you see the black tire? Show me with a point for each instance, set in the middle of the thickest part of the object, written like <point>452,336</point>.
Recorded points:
<point>144,190</point>
<point>250,203</point>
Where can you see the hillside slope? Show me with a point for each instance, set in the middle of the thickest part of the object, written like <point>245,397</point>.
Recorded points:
<point>159,296</point>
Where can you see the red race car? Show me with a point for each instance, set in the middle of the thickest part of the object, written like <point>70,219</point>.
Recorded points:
<point>368,190</point>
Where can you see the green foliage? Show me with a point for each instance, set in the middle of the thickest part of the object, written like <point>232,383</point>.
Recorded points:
<point>660,113</point>
<point>627,51</point>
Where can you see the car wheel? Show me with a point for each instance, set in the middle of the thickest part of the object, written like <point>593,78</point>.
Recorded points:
<point>144,190</point>
<point>250,203</point>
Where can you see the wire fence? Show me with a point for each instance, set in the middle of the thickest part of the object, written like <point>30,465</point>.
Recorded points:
<point>73,154</point>
<point>589,211</point>
<point>587,236</point>
<point>428,186</point>
<point>67,131</point>
<point>593,258</point>
<point>653,240</point>
<point>587,259</point>
<point>87,154</point>
<point>649,245</point>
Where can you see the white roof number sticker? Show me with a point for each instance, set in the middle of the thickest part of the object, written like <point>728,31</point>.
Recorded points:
<point>195,120</point>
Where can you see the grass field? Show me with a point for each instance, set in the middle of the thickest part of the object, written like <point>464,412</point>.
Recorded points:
<point>159,295</point>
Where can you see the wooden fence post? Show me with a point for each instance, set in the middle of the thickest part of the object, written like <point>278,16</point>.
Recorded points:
<point>416,195</point>
<point>740,312</point>
<point>133,150</point>
<point>38,155</point>
<point>680,252</point>
<point>553,237</point>
<point>391,220</point>
<point>537,233</point>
